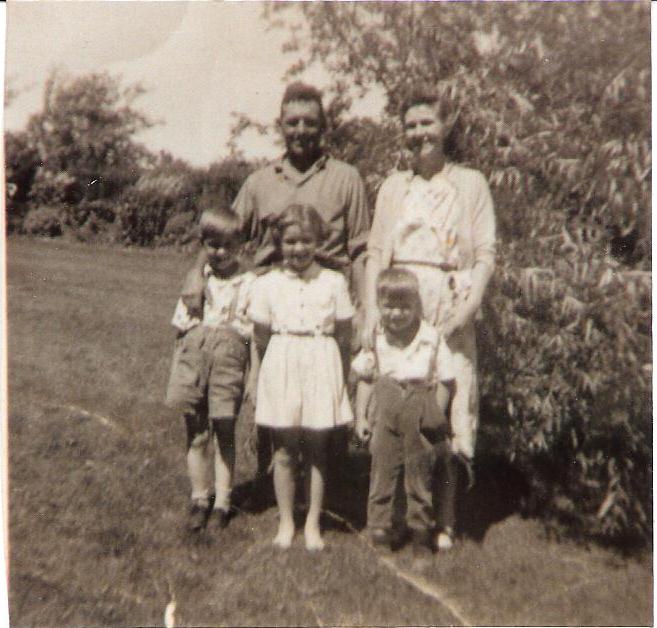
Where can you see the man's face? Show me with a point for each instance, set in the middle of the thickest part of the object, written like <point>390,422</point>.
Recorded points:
<point>423,129</point>
<point>301,124</point>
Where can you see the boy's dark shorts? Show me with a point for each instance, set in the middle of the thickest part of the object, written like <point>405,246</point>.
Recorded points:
<point>208,364</point>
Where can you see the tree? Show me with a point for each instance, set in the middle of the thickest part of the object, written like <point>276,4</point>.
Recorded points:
<point>84,137</point>
<point>550,96</point>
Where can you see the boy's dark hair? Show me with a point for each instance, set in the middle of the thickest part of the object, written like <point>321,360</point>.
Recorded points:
<point>397,283</point>
<point>223,223</point>
<point>303,92</point>
<point>306,216</point>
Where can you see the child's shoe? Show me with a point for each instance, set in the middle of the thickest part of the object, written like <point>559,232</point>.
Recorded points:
<point>221,518</point>
<point>445,540</point>
<point>422,548</point>
<point>199,513</point>
<point>379,536</point>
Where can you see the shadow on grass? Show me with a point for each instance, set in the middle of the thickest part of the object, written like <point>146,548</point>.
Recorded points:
<point>498,492</point>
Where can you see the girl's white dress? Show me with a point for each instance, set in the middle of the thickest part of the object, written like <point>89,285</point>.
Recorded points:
<point>301,383</point>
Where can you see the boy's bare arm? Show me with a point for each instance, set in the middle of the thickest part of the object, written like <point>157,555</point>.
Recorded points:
<point>363,396</point>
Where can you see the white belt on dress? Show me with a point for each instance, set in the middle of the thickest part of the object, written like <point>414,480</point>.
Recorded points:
<point>306,334</point>
<point>447,268</point>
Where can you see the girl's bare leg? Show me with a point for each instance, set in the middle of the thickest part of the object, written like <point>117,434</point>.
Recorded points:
<point>284,485</point>
<point>315,457</point>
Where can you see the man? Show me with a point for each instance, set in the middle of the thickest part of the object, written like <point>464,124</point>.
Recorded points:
<point>305,174</point>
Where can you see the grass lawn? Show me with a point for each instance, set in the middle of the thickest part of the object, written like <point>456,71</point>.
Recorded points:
<point>98,492</point>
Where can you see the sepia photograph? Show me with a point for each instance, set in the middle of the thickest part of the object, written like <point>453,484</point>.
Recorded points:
<point>328,313</point>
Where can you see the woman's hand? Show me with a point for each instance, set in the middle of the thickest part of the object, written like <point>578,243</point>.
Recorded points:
<point>460,317</point>
<point>363,431</point>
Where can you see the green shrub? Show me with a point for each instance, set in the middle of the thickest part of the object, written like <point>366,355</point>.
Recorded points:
<point>566,372</point>
<point>45,221</point>
<point>180,229</point>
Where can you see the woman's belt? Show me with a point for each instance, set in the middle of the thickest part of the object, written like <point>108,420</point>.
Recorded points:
<point>306,334</point>
<point>447,268</point>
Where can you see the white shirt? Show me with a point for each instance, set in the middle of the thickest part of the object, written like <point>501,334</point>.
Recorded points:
<point>425,357</point>
<point>225,303</point>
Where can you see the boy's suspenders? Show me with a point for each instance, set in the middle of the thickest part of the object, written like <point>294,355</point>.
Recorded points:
<point>433,363</point>
<point>233,304</point>
<point>433,360</point>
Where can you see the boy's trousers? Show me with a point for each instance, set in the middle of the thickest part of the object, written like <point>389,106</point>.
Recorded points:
<point>410,433</point>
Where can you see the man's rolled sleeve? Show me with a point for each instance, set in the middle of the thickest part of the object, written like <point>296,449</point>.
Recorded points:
<point>358,217</point>
<point>244,206</point>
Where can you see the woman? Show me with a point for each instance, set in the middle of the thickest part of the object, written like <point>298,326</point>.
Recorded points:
<point>437,220</point>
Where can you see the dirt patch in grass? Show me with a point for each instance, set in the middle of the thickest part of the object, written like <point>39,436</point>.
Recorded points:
<point>98,492</point>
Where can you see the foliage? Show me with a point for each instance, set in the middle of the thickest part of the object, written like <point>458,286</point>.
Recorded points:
<point>553,106</point>
<point>221,182</point>
<point>22,160</point>
<point>84,138</point>
<point>45,221</point>
<point>567,368</point>
<point>180,229</point>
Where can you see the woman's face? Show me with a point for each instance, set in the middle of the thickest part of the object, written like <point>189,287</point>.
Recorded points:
<point>298,247</point>
<point>423,130</point>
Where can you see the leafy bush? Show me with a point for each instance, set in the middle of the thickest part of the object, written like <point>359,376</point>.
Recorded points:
<point>566,365</point>
<point>180,229</point>
<point>146,206</point>
<point>45,221</point>
<point>565,346</point>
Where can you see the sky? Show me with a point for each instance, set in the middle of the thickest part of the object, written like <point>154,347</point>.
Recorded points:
<point>199,61</point>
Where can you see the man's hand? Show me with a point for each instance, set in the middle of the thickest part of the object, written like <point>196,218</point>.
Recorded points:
<point>363,431</point>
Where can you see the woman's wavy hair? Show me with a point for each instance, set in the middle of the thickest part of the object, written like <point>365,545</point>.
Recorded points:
<point>305,216</point>
<point>447,112</point>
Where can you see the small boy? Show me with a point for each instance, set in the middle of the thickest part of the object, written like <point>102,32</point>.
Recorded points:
<point>405,384</point>
<point>209,365</point>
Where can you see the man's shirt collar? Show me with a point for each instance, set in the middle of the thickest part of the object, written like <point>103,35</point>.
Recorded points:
<point>286,169</point>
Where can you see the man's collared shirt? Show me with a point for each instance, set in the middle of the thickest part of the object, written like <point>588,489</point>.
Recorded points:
<point>332,187</point>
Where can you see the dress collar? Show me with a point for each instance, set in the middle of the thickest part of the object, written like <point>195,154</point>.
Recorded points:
<point>410,175</point>
<point>310,273</point>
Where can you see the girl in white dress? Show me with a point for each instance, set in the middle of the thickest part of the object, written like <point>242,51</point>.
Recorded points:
<point>302,328</point>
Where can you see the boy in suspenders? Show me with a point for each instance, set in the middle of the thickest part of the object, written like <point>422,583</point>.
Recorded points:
<point>405,385</point>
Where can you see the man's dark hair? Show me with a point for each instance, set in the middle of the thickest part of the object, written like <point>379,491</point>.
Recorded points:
<point>302,92</point>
